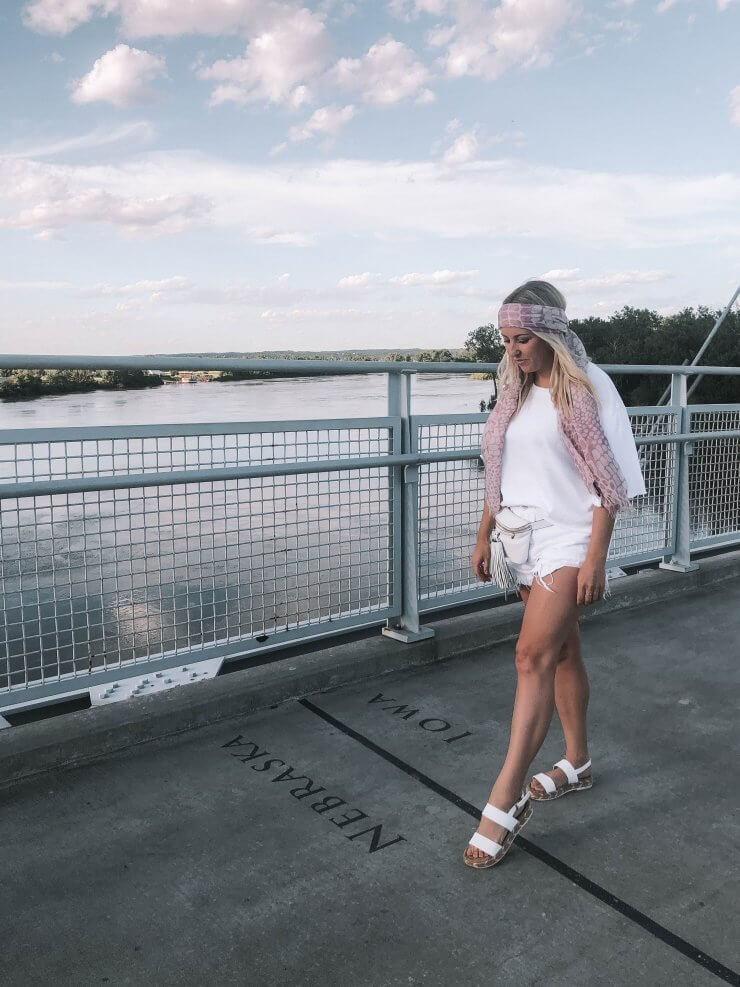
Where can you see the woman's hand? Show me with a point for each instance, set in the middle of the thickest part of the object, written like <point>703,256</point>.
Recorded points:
<point>481,560</point>
<point>591,582</point>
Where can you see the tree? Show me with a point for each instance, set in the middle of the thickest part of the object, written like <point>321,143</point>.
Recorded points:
<point>643,336</point>
<point>484,344</point>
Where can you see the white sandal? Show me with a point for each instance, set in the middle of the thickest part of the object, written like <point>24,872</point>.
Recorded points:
<point>513,820</point>
<point>552,791</point>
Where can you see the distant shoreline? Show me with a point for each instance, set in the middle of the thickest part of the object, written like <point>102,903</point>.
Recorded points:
<point>27,385</point>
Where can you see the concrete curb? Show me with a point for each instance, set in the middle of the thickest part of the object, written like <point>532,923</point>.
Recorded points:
<point>78,737</point>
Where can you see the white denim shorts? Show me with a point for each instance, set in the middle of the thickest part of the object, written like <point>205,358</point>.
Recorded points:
<point>550,548</point>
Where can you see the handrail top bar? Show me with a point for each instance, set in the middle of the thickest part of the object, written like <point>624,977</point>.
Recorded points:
<point>305,368</point>
<point>195,430</point>
<point>64,485</point>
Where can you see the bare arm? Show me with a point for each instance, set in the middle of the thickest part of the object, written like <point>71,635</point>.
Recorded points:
<point>592,574</point>
<point>602,526</point>
<point>486,526</point>
<point>481,558</point>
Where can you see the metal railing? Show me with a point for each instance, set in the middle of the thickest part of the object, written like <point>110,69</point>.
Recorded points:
<point>129,550</point>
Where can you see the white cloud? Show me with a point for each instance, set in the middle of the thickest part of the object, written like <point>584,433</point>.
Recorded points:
<point>468,146</point>
<point>604,281</point>
<point>139,130</point>
<point>61,16</point>
<point>49,198</point>
<point>666,5</point>
<point>266,234</point>
<point>560,273</point>
<point>500,199</point>
<point>434,278</point>
<point>180,290</point>
<point>327,120</point>
<point>431,279</point>
<point>464,149</point>
<point>484,40</point>
<point>365,280</point>
<point>171,18</point>
<point>387,73</point>
<point>275,64</point>
<point>150,288</point>
<point>311,314</point>
<point>152,18</point>
<point>163,214</point>
<point>121,76</point>
<point>438,37</point>
<point>735,105</point>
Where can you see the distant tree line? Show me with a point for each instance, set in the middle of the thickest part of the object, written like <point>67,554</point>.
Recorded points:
<point>24,384</point>
<point>642,336</point>
<point>632,335</point>
<point>19,384</point>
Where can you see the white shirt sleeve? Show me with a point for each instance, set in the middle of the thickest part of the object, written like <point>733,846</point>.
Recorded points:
<point>616,424</point>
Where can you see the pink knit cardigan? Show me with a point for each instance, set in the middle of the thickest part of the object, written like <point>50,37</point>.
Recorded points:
<point>583,437</point>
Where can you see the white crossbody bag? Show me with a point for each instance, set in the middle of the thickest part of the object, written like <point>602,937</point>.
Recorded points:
<point>510,539</point>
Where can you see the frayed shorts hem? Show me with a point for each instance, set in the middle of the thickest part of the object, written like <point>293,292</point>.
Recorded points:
<point>526,576</point>
<point>551,547</point>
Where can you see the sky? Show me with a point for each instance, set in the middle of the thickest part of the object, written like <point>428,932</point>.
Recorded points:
<point>246,175</point>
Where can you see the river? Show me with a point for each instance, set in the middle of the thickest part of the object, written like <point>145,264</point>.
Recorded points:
<point>351,396</point>
<point>110,578</point>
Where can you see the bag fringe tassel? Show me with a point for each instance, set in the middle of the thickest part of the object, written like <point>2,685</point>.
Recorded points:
<point>500,572</point>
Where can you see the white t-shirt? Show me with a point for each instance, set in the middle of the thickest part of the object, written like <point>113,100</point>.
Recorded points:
<point>537,470</point>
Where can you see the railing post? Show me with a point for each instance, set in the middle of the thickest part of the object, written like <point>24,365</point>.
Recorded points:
<point>406,627</point>
<point>680,561</point>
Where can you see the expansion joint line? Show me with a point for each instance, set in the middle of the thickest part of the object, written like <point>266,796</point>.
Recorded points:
<point>586,884</point>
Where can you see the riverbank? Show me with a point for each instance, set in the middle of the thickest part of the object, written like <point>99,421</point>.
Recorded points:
<point>25,385</point>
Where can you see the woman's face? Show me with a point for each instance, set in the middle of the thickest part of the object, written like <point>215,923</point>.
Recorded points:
<point>527,351</point>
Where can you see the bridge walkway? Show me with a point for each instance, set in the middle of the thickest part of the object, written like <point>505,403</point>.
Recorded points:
<point>320,842</point>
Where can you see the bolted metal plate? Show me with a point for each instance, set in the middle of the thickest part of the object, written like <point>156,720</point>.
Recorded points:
<point>145,685</point>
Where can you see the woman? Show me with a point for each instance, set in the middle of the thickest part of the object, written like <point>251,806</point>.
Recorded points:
<point>558,449</point>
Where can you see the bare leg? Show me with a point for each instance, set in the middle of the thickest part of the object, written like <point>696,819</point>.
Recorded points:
<point>571,702</point>
<point>547,623</point>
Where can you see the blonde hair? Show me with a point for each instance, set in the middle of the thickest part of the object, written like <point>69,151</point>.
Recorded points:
<point>565,372</point>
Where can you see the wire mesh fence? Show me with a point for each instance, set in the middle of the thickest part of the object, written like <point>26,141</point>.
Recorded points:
<point>714,475</point>
<point>115,578</point>
<point>451,495</point>
<point>101,579</point>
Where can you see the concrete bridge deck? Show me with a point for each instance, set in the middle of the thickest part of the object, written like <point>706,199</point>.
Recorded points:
<point>320,842</point>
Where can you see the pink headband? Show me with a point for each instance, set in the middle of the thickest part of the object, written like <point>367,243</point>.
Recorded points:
<point>543,318</point>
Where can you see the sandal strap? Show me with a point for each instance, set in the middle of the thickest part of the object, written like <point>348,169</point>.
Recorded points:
<point>507,819</point>
<point>482,842</point>
<point>546,781</point>
<point>569,771</point>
